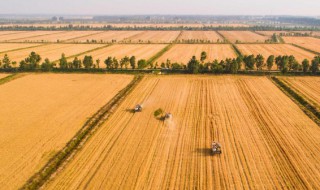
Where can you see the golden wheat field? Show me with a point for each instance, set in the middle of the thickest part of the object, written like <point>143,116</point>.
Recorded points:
<point>306,42</point>
<point>52,52</point>
<point>5,47</point>
<point>23,35</point>
<point>109,36</point>
<point>182,53</point>
<point>205,36</point>
<point>275,49</point>
<point>244,36</point>
<point>140,51</point>
<point>309,87</point>
<point>58,37</point>
<point>154,37</point>
<point>267,141</point>
<point>44,112</point>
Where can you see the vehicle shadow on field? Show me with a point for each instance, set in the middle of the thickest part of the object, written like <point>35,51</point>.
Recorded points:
<point>204,151</point>
<point>130,110</point>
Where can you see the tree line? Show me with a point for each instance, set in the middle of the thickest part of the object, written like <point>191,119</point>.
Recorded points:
<point>230,65</point>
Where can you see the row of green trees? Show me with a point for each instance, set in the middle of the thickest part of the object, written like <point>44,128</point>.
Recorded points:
<point>229,65</point>
<point>251,62</point>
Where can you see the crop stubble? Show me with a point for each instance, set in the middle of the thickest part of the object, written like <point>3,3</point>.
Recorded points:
<point>267,140</point>
<point>41,112</point>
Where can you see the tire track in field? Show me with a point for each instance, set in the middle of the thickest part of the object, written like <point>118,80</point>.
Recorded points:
<point>278,150</point>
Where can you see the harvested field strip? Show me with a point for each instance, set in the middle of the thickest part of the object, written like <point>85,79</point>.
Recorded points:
<point>108,36</point>
<point>88,129</point>
<point>9,47</point>
<point>44,35</point>
<point>87,35</point>
<point>275,49</point>
<point>50,110</point>
<point>243,36</point>
<point>200,36</point>
<point>312,111</point>
<point>3,33</point>
<point>309,87</point>
<point>4,78</point>
<point>182,53</point>
<point>306,49</point>
<point>52,52</point>
<point>305,42</point>
<point>140,51</point>
<point>11,37</point>
<point>155,37</point>
<point>268,142</point>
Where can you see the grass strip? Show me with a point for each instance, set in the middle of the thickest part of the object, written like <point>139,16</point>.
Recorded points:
<point>59,159</point>
<point>236,50</point>
<point>310,110</point>
<point>10,78</point>
<point>159,54</point>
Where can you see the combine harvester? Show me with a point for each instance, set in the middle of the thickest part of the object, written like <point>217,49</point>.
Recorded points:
<point>138,108</point>
<point>216,148</point>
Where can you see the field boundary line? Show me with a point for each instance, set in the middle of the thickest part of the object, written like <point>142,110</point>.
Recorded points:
<point>160,53</point>
<point>236,50</point>
<point>306,49</point>
<point>311,111</point>
<point>62,157</point>
<point>10,78</point>
<point>19,49</point>
<point>35,36</point>
<point>85,53</point>
<point>83,36</point>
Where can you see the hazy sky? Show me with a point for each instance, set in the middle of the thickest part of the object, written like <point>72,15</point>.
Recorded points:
<point>212,7</point>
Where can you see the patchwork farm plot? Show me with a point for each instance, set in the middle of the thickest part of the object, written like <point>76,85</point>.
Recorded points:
<point>5,47</point>
<point>44,112</point>
<point>23,35</point>
<point>52,52</point>
<point>182,53</point>
<point>140,51</point>
<point>3,33</point>
<point>275,49</point>
<point>200,36</point>
<point>155,37</point>
<point>306,42</point>
<point>109,36</point>
<point>268,142</point>
<point>307,86</point>
<point>244,37</point>
<point>58,37</point>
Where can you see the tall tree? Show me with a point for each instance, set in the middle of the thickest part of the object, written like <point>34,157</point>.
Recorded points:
<point>6,62</point>
<point>109,63</point>
<point>115,62</point>
<point>249,62</point>
<point>124,62</point>
<point>142,64</point>
<point>76,63</point>
<point>63,62</point>
<point>133,62</point>
<point>203,56</point>
<point>98,63</point>
<point>270,62</point>
<point>87,62</point>
<point>305,65</point>
<point>315,64</point>
<point>193,65</point>
<point>260,62</point>
<point>47,65</point>
<point>291,62</point>
<point>234,66</point>
<point>33,60</point>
